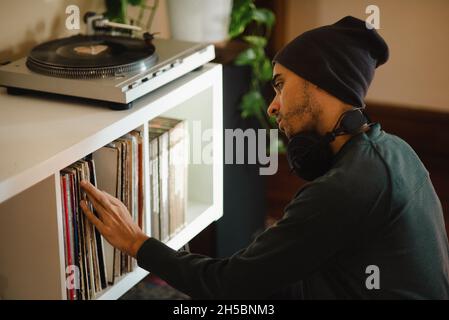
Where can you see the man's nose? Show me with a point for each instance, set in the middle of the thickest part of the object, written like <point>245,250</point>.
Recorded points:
<point>273,109</point>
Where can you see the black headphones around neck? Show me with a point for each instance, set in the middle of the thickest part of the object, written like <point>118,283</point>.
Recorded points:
<point>349,123</point>
<point>309,154</point>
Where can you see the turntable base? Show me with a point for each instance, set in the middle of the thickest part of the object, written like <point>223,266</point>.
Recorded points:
<point>111,105</point>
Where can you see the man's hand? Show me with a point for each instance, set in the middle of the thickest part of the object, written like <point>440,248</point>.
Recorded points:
<point>114,221</point>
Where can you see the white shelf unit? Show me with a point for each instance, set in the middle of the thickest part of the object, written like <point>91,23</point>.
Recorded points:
<point>39,136</point>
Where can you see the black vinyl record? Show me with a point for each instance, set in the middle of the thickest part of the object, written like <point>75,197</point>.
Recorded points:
<point>92,56</point>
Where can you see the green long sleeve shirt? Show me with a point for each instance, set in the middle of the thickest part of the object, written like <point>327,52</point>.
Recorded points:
<point>371,228</point>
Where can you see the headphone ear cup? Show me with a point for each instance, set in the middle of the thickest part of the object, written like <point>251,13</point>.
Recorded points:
<point>353,121</point>
<point>309,155</point>
<point>297,149</point>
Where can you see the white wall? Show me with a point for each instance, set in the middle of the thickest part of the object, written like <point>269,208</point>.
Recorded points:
<point>417,32</point>
<point>26,23</point>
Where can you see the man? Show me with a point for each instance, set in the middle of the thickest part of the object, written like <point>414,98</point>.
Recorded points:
<point>368,225</point>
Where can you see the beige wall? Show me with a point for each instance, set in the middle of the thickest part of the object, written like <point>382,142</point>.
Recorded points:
<point>25,23</point>
<point>417,32</point>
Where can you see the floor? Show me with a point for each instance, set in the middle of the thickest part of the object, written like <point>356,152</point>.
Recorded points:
<point>153,288</point>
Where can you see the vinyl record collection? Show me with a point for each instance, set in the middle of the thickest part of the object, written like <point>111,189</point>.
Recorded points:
<point>118,169</point>
<point>82,243</point>
<point>168,176</point>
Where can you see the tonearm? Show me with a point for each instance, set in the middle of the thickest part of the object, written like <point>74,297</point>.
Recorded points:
<point>98,24</point>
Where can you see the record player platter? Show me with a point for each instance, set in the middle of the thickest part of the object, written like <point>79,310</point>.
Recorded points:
<point>92,56</point>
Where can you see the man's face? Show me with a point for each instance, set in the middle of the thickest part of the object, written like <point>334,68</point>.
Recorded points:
<point>294,106</point>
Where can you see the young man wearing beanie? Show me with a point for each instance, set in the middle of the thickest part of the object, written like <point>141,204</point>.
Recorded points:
<point>368,225</point>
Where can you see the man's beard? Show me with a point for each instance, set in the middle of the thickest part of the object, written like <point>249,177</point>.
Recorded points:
<point>307,109</point>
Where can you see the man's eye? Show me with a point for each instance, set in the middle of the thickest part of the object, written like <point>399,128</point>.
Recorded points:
<point>278,86</point>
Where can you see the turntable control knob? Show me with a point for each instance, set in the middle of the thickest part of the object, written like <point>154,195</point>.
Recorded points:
<point>176,63</point>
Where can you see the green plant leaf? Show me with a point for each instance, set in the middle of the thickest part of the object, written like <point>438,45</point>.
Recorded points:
<point>264,16</point>
<point>247,57</point>
<point>260,53</point>
<point>266,70</point>
<point>252,104</point>
<point>116,10</point>
<point>256,41</point>
<point>136,2</point>
<point>241,16</point>
<point>273,123</point>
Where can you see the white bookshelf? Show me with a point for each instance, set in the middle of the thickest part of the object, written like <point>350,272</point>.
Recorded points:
<point>40,136</point>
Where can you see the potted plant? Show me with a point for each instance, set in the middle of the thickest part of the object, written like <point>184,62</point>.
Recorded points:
<point>199,20</point>
<point>253,26</point>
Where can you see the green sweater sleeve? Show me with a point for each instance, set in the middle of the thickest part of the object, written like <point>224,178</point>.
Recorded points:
<point>316,225</point>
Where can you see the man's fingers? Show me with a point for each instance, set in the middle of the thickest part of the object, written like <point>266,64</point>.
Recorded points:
<point>92,218</point>
<point>102,197</point>
<point>103,210</point>
<point>95,193</point>
<point>112,199</point>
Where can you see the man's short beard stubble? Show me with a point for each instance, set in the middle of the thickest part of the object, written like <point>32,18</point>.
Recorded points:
<point>309,109</point>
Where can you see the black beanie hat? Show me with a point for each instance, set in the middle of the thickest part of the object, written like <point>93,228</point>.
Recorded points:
<point>339,58</point>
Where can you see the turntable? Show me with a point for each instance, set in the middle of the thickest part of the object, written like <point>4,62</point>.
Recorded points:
<point>104,66</point>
